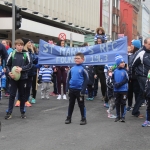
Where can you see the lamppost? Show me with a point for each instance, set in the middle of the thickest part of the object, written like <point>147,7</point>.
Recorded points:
<point>13,21</point>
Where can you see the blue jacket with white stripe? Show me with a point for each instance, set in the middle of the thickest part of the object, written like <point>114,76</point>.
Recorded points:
<point>77,78</point>
<point>120,79</point>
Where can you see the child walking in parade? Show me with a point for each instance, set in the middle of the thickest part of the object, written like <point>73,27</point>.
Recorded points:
<point>120,80</point>
<point>77,80</point>
<point>147,97</point>
<point>110,94</point>
<point>90,85</point>
<point>45,77</point>
<point>22,66</point>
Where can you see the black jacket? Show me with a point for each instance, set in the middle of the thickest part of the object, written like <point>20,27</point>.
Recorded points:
<point>18,60</point>
<point>34,61</point>
<point>90,70</point>
<point>141,63</point>
<point>99,69</point>
<point>3,54</point>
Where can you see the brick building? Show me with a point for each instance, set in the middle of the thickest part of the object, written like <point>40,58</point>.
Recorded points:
<point>128,20</point>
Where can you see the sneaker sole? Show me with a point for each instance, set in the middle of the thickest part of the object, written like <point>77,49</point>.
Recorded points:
<point>8,118</point>
<point>67,122</point>
<point>83,124</point>
<point>23,117</point>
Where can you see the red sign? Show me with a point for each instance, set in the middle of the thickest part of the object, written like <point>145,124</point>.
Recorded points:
<point>62,36</point>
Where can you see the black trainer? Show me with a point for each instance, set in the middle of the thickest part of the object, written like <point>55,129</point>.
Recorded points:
<point>83,121</point>
<point>23,116</point>
<point>117,119</point>
<point>68,120</point>
<point>8,116</point>
<point>122,119</point>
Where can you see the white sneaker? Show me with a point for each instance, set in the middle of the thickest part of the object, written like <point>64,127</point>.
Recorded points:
<point>42,97</point>
<point>59,97</point>
<point>108,111</point>
<point>111,116</point>
<point>64,96</point>
<point>47,97</point>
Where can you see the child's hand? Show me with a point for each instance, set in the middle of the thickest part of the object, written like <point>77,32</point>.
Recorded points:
<point>18,70</point>
<point>4,70</point>
<point>11,75</point>
<point>55,69</point>
<point>110,74</point>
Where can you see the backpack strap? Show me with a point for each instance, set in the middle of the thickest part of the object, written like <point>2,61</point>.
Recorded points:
<point>14,52</point>
<point>25,55</point>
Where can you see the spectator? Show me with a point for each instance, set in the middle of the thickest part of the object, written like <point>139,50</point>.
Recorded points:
<point>100,75</point>
<point>141,65</point>
<point>100,33</point>
<point>7,44</point>
<point>133,82</point>
<point>61,75</point>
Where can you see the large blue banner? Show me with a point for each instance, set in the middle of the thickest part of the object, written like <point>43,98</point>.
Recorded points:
<point>100,54</point>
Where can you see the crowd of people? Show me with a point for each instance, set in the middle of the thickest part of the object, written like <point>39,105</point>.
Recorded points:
<point>120,82</point>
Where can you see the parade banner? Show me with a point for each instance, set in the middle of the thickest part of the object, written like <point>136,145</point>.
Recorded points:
<point>100,54</point>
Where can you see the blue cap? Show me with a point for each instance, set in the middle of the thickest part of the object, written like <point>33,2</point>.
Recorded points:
<point>119,59</point>
<point>137,44</point>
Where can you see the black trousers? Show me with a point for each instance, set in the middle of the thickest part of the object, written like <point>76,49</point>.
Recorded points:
<point>55,84</point>
<point>102,79</point>
<point>90,91</point>
<point>134,88</point>
<point>148,109</point>
<point>73,95</point>
<point>140,99</point>
<point>29,84</point>
<point>120,102</point>
<point>21,86</point>
<point>34,91</point>
<point>7,85</point>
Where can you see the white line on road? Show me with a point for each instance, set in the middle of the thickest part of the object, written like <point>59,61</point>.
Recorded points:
<point>55,108</point>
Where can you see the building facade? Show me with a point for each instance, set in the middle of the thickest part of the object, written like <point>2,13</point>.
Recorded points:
<point>78,17</point>
<point>128,20</point>
<point>144,22</point>
<point>110,18</point>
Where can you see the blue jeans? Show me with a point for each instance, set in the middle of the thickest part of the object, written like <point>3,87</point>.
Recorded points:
<point>140,98</point>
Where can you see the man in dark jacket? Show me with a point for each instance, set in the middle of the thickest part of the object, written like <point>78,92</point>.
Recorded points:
<point>141,64</point>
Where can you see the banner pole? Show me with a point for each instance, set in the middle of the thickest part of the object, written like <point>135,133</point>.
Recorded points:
<point>70,39</point>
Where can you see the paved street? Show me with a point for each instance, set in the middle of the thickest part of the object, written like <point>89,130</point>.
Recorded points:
<point>44,129</point>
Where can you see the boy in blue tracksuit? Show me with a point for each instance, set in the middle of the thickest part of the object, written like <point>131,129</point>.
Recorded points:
<point>120,79</point>
<point>77,80</point>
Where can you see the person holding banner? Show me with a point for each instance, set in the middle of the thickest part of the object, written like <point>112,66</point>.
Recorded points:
<point>61,75</point>
<point>100,75</point>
